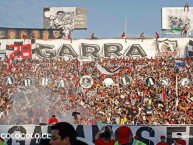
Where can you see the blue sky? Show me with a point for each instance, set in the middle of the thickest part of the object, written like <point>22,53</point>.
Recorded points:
<point>106,18</point>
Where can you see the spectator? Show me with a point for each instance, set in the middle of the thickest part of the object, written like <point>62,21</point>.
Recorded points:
<point>186,6</point>
<point>157,35</point>
<point>53,120</point>
<point>93,36</point>
<point>179,140</point>
<point>63,133</point>
<point>185,30</point>
<point>123,118</point>
<point>123,35</point>
<point>142,36</point>
<point>103,137</point>
<point>125,136</point>
<point>20,105</point>
<point>163,141</point>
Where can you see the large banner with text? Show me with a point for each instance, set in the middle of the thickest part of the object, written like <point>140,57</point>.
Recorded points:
<point>88,49</point>
<point>31,134</point>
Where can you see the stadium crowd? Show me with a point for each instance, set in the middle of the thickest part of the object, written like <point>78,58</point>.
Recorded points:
<point>133,103</point>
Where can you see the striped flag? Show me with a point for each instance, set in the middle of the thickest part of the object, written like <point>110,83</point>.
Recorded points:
<point>162,97</point>
<point>180,63</point>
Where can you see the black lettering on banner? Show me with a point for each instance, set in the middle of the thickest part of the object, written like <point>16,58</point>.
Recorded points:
<point>67,50</point>
<point>151,133</point>
<point>112,48</point>
<point>80,131</point>
<point>12,130</point>
<point>136,50</point>
<point>150,81</point>
<point>165,81</point>
<point>9,80</point>
<point>125,81</point>
<point>90,50</point>
<point>27,82</point>
<point>95,130</point>
<point>170,130</point>
<point>44,81</point>
<point>191,135</point>
<point>60,83</point>
<point>35,140</point>
<point>44,50</point>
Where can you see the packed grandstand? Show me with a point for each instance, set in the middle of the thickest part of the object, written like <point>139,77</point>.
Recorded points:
<point>112,102</point>
<point>145,83</point>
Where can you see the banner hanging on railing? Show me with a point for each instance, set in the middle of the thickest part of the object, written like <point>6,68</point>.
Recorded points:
<point>31,134</point>
<point>88,49</point>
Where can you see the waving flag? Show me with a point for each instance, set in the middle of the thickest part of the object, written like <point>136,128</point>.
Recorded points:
<point>180,63</point>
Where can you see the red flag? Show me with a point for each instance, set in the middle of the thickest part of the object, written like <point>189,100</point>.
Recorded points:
<point>164,95</point>
<point>9,64</point>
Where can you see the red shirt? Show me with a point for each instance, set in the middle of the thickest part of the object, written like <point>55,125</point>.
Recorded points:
<point>69,36</point>
<point>157,35</point>
<point>92,36</point>
<point>181,141</point>
<point>52,121</point>
<point>123,35</point>
<point>162,143</point>
<point>185,28</point>
<point>101,142</point>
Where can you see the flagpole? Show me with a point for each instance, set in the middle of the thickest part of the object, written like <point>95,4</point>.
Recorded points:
<point>176,92</point>
<point>176,85</point>
<point>125,26</point>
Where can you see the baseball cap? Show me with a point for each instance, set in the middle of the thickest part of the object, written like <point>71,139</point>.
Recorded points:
<point>124,134</point>
<point>162,137</point>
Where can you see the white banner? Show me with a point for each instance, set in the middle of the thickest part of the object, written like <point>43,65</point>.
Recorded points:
<point>86,50</point>
<point>148,134</point>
